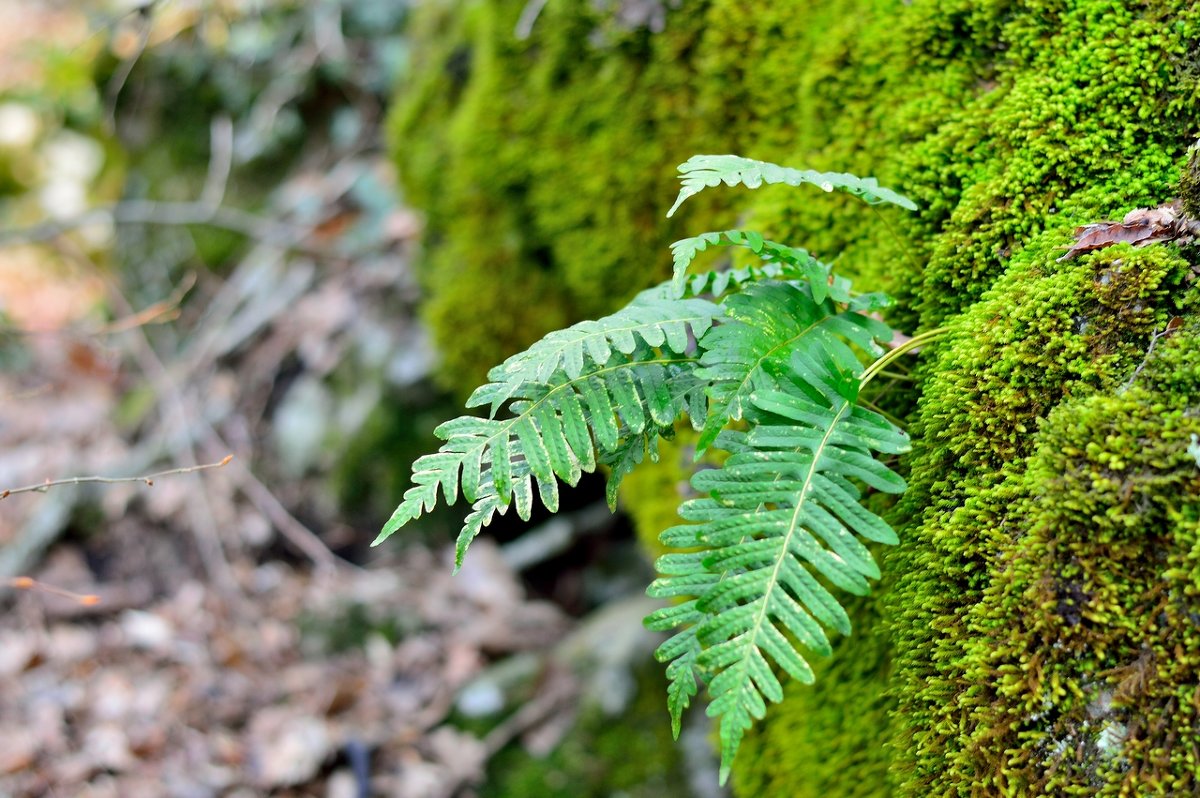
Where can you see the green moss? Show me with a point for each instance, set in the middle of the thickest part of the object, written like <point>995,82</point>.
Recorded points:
<point>1085,647</point>
<point>1048,335</point>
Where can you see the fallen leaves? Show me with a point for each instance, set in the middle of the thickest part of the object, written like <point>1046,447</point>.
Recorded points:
<point>199,693</point>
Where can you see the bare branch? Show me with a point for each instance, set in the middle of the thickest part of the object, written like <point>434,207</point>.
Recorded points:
<point>220,162</point>
<point>161,311</point>
<point>288,525</point>
<point>28,583</point>
<point>1174,324</point>
<point>117,83</point>
<point>42,487</point>
<point>529,15</point>
<point>176,214</point>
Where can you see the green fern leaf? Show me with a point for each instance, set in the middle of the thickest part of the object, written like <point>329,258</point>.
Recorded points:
<point>753,347</point>
<point>782,515</point>
<point>707,171</point>
<point>619,410</point>
<point>795,263</point>
<point>657,322</point>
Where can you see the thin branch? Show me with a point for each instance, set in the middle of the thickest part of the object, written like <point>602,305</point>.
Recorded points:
<point>1171,326</point>
<point>208,210</point>
<point>171,214</point>
<point>905,249</point>
<point>288,525</point>
<point>174,416</point>
<point>42,487</point>
<point>28,583</point>
<point>220,162</point>
<point>158,312</point>
<point>162,311</point>
<point>125,69</point>
<point>899,422</point>
<point>529,15</point>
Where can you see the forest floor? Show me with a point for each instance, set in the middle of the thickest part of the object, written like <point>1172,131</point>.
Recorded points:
<point>224,630</point>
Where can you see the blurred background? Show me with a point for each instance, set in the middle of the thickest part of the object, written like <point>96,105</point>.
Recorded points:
<point>205,251</point>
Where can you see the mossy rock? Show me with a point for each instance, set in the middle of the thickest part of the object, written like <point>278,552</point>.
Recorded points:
<point>1036,634</point>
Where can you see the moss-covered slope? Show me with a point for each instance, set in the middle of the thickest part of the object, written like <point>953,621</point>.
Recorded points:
<point>1038,634</point>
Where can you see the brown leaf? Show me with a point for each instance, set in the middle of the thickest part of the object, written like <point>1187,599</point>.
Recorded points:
<point>288,747</point>
<point>1140,227</point>
<point>18,750</point>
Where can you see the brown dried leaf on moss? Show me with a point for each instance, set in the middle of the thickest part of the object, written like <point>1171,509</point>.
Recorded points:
<point>1140,227</point>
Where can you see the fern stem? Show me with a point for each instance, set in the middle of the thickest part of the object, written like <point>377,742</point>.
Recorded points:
<point>917,340</point>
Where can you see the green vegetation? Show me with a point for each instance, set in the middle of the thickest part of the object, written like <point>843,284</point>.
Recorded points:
<point>1008,124</point>
<point>770,373</point>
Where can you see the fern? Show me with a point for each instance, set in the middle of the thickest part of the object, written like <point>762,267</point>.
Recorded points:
<point>764,360</point>
<point>708,171</point>
<point>781,516</point>
<point>766,324</point>
<point>794,263</point>
<point>594,388</point>
<point>657,322</point>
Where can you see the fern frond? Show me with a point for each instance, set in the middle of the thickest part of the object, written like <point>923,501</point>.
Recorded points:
<point>782,521</point>
<point>796,263</point>
<point>708,171</point>
<point>753,347</point>
<point>554,435</point>
<point>609,386</point>
<point>655,322</point>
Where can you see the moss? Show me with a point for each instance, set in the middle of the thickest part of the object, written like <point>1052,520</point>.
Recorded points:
<point>1085,645</point>
<point>1047,336</point>
<point>523,152</point>
<point>1189,183</point>
<point>1076,119</point>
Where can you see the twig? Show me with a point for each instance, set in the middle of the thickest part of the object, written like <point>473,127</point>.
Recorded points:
<point>220,162</point>
<point>552,696</point>
<point>174,417</point>
<point>119,78</point>
<point>175,214</point>
<point>269,505</point>
<point>162,311</point>
<point>207,210</point>
<point>28,583</point>
<point>905,250</point>
<point>529,15</point>
<point>41,487</point>
<point>1154,336</point>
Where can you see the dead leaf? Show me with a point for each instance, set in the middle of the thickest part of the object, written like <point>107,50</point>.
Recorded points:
<point>288,748</point>
<point>18,750</point>
<point>1140,227</point>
